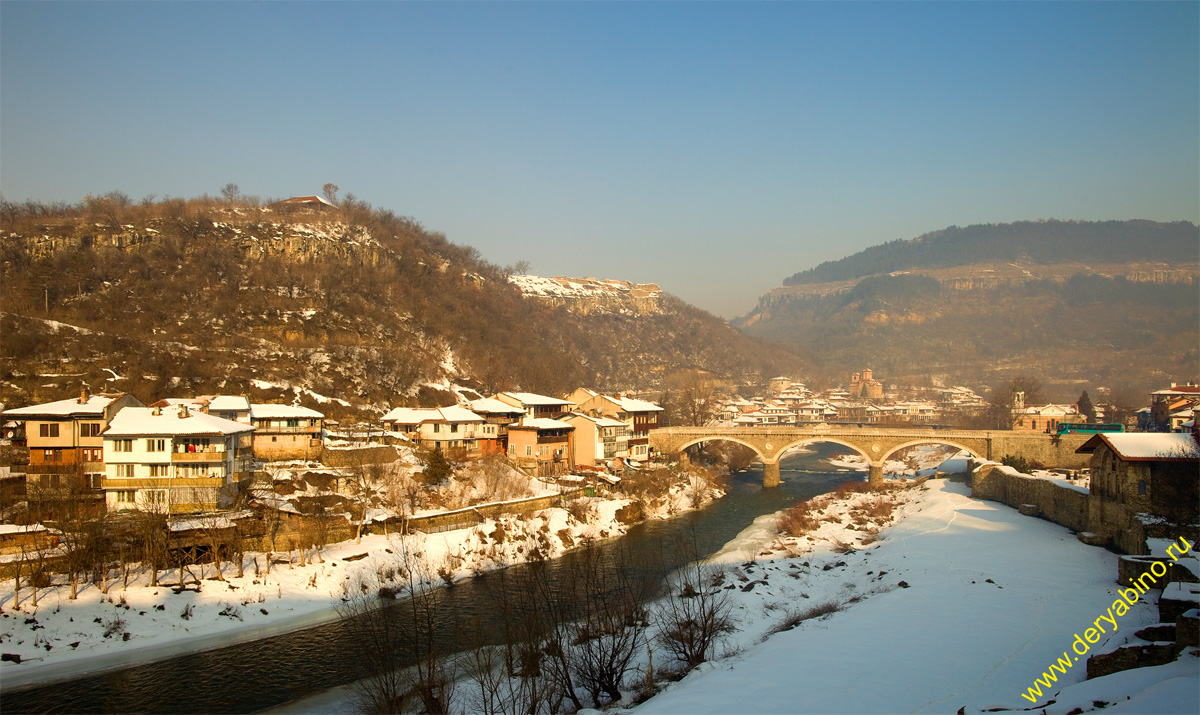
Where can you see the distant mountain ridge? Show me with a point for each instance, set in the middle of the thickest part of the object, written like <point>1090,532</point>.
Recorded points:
<point>1038,242</point>
<point>1105,303</point>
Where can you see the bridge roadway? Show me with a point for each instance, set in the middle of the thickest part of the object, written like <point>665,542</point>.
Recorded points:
<point>877,444</point>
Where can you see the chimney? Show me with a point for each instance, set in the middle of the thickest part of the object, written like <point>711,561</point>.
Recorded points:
<point>156,411</point>
<point>183,412</point>
<point>84,394</point>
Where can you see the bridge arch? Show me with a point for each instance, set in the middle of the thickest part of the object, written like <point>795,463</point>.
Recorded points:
<point>805,441</point>
<point>722,438</point>
<point>973,451</point>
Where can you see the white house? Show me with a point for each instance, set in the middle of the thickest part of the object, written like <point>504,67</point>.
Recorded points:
<point>444,428</point>
<point>174,459</point>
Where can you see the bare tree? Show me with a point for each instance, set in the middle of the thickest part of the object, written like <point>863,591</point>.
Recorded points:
<point>374,623</point>
<point>330,190</point>
<point>696,612</point>
<point>150,534</point>
<point>690,397</point>
<point>1007,402</point>
<point>611,629</point>
<point>415,621</point>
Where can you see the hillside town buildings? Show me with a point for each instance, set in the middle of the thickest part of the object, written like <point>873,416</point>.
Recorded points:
<point>189,454</point>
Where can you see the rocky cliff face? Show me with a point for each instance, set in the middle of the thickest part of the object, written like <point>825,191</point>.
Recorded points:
<point>986,276</point>
<point>592,296</point>
<point>301,242</point>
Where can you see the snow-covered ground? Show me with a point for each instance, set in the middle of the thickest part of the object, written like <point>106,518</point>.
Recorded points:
<point>961,604</point>
<point>61,638</point>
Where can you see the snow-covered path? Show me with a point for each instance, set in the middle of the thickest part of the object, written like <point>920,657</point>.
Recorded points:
<point>993,597</point>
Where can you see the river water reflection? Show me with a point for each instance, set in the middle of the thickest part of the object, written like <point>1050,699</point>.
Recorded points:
<point>265,673</point>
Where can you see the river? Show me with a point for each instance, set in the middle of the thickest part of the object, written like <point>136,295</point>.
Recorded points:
<point>265,673</point>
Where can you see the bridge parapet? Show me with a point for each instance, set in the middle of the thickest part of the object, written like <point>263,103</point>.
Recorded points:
<point>875,444</point>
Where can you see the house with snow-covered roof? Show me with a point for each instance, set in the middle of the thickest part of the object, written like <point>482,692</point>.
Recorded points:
<point>287,431</point>
<point>1046,418</point>
<point>1147,472</point>
<point>500,414</point>
<point>174,459</point>
<point>542,447</point>
<point>598,440</point>
<point>445,429</point>
<point>535,405</point>
<point>227,407</point>
<point>641,416</point>
<point>66,451</point>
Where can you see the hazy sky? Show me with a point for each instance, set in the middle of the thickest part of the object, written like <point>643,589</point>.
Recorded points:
<point>712,148</point>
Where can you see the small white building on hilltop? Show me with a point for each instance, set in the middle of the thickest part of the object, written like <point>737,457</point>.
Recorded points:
<point>174,459</point>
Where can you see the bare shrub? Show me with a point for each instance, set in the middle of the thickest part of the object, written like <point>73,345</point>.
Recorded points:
<point>114,626</point>
<point>796,616</point>
<point>695,615</point>
<point>582,510</point>
<point>841,547</point>
<point>846,489</point>
<point>878,508</point>
<point>798,520</point>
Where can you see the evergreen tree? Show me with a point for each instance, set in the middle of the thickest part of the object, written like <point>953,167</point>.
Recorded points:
<point>1085,407</point>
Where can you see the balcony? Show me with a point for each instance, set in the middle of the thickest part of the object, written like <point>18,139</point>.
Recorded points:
<point>301,429</point>
<point>64,467</point>
<point>205,456</point>
<point>165,482</point>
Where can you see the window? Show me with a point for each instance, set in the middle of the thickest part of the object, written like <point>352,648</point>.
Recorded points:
<point>158,496</point>
<point>89,429</point>
<point>126,496</point>
<point>435,428</point>
<point>528,450</point>
<point>125,470</point>
<point>122,445</point>
<point>1142,487</point>
<point>97,480</point>
<point>158,470</point>
<point>48,430</point>
<point>454,427</point>
<point>156,445</point>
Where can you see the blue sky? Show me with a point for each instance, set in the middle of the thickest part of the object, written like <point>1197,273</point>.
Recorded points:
<point>712,148</point>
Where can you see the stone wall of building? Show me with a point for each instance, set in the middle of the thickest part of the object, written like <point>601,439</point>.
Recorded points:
<point>1098,519</point>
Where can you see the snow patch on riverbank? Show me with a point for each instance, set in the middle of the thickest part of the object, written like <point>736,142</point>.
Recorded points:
<point>960,604</point>
<point>63,638</point>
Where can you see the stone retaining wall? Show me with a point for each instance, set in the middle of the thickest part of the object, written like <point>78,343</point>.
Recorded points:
<point>1054,502</point>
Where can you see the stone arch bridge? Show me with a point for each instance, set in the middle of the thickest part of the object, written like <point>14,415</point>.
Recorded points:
<point>877,444</point>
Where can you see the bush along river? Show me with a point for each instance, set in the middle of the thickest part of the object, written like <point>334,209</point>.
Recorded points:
<point>275,670</point>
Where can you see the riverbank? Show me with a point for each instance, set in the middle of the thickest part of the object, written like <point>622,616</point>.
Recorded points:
<point>961,604</point>
<point>62,638</point>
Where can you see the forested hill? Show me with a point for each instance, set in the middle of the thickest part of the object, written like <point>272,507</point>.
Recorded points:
<point>182,297</point>
<point>1108,304</point>
<point>1038,242</point>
